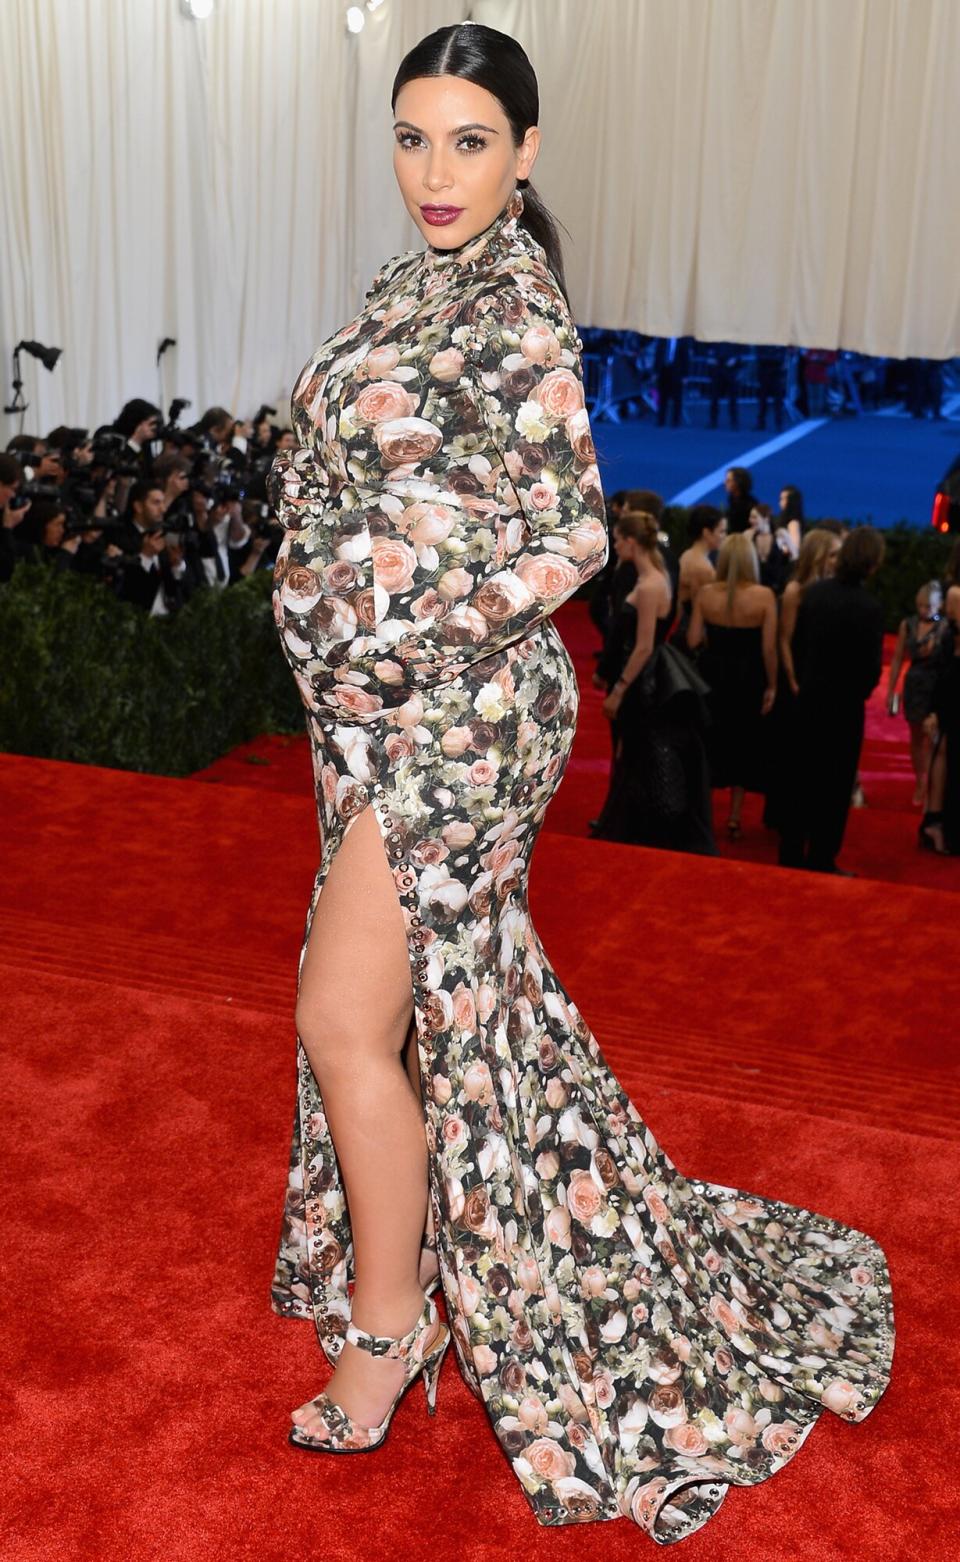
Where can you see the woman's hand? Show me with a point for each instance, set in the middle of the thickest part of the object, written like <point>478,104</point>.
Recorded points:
<point>611,704</point>
<point>766,704</point>
<point>931,726</point>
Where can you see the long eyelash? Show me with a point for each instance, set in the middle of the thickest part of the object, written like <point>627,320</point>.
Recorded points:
<point>408,139</point>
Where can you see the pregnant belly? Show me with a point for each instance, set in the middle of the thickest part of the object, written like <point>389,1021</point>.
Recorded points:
<point>324,591</point>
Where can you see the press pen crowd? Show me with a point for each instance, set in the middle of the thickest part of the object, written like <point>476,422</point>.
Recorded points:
<point>154,511</point>
<point>744,664</point>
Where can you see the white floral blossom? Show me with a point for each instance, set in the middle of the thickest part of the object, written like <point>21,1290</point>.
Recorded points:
<point>531,423</point>
<point>489,702</point>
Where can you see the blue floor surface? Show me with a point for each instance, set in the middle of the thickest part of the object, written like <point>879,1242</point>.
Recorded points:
<point>877,468</point>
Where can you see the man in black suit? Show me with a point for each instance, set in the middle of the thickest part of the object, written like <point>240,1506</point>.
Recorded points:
<point>771,384</point>
<point>671,359</point>
<point>723,366</point>
<point>838,657</point>
<point>154,575</point>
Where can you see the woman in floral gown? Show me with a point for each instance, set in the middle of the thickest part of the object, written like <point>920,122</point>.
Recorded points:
<point>640,1340</point>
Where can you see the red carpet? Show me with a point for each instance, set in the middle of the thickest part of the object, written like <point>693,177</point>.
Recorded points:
<point>787,1034</point>
<point>881,840</point>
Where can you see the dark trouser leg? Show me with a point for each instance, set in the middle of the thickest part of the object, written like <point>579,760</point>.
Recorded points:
<point>793,771</point>
<point>839,752</point>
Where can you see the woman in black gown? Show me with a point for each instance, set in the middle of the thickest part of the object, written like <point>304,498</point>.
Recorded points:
<point>659,791</point>
<point>737,618</point>
<point>940,830</point>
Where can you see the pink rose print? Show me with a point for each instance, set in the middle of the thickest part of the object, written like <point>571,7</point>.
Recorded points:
<point>394,564</point>
<point>407,440</point>
<point>630,1332</point>
<point>384,400</point>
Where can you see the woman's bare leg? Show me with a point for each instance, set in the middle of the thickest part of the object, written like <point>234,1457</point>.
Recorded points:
<point>736,805</point>
<point>353,1016</point>
<point>920,759</point>
<point>429,1265</point>
<point>937,783</point>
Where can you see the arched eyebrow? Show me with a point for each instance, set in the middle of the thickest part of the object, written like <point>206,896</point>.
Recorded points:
<point>405,124</point>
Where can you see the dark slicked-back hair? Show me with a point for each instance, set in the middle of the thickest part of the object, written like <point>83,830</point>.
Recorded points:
<point>496,62</point>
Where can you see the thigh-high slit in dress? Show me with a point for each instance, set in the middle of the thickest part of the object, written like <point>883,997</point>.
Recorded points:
<point>641,1340</point>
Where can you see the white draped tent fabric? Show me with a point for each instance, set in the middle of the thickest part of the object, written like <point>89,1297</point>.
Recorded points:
<point>745,170</point>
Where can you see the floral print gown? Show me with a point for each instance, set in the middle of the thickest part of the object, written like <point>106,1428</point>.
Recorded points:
<point>641,1340</point>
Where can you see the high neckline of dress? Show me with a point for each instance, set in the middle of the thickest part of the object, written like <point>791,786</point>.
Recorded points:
<point>500,235</point>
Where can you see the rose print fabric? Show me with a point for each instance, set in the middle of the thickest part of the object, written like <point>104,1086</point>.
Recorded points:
<point>641,1341</point>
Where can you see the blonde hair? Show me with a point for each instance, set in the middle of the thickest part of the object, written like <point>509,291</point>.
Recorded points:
<point>644,529</point>
<point>815,550</point>
<point>737,565</point>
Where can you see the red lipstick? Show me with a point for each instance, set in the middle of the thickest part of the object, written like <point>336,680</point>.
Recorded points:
<point>439,216</point>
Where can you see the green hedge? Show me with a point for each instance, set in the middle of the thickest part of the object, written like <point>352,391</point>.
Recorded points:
<point>84,677</point>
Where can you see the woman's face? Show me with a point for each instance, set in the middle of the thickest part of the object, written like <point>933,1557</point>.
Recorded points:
<point>53,531</point>
<point>830,562</point>
<point>454,153</point>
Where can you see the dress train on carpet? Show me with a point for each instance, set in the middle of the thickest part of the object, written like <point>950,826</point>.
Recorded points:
<point>641,1340</point>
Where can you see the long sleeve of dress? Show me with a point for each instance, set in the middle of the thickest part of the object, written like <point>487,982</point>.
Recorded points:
<point>531,528</point>
<point>469,503</point>
<point>446,479</point>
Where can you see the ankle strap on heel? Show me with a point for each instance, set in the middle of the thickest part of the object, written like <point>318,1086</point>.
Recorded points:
<point>384,1344</point>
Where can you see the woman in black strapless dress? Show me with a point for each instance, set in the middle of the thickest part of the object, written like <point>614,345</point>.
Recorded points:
<point>659,791</point>
<point>737,618</point>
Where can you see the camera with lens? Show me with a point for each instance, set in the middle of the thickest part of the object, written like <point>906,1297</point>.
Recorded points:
<point>110,450</point>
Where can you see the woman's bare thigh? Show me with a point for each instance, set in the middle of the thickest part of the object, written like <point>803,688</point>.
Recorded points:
<point>355,990</point>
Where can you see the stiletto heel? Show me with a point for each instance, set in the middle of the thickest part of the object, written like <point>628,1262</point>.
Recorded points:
<point>345,1436</point>
<point>431,1373</point>
<point>927,841</point>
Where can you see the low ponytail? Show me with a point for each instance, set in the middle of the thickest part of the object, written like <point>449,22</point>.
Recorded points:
<point>542,227</point>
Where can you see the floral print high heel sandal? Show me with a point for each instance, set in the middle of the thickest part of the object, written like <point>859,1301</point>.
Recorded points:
<point>344,1436</point>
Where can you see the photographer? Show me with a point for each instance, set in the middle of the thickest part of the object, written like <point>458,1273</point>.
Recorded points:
<point>223,538</point>
<point>28,448</point>
<point>171,474</point>
<point>265,540</point>
<point>154,575</point>
<point>13,512</point>
<point>138,423</point>
<point>217,430</point>
<point>44,536</point>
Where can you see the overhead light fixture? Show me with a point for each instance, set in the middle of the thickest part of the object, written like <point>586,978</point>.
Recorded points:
<point>197,10</point>
<point>356,21</point>
<point>374,5</point>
